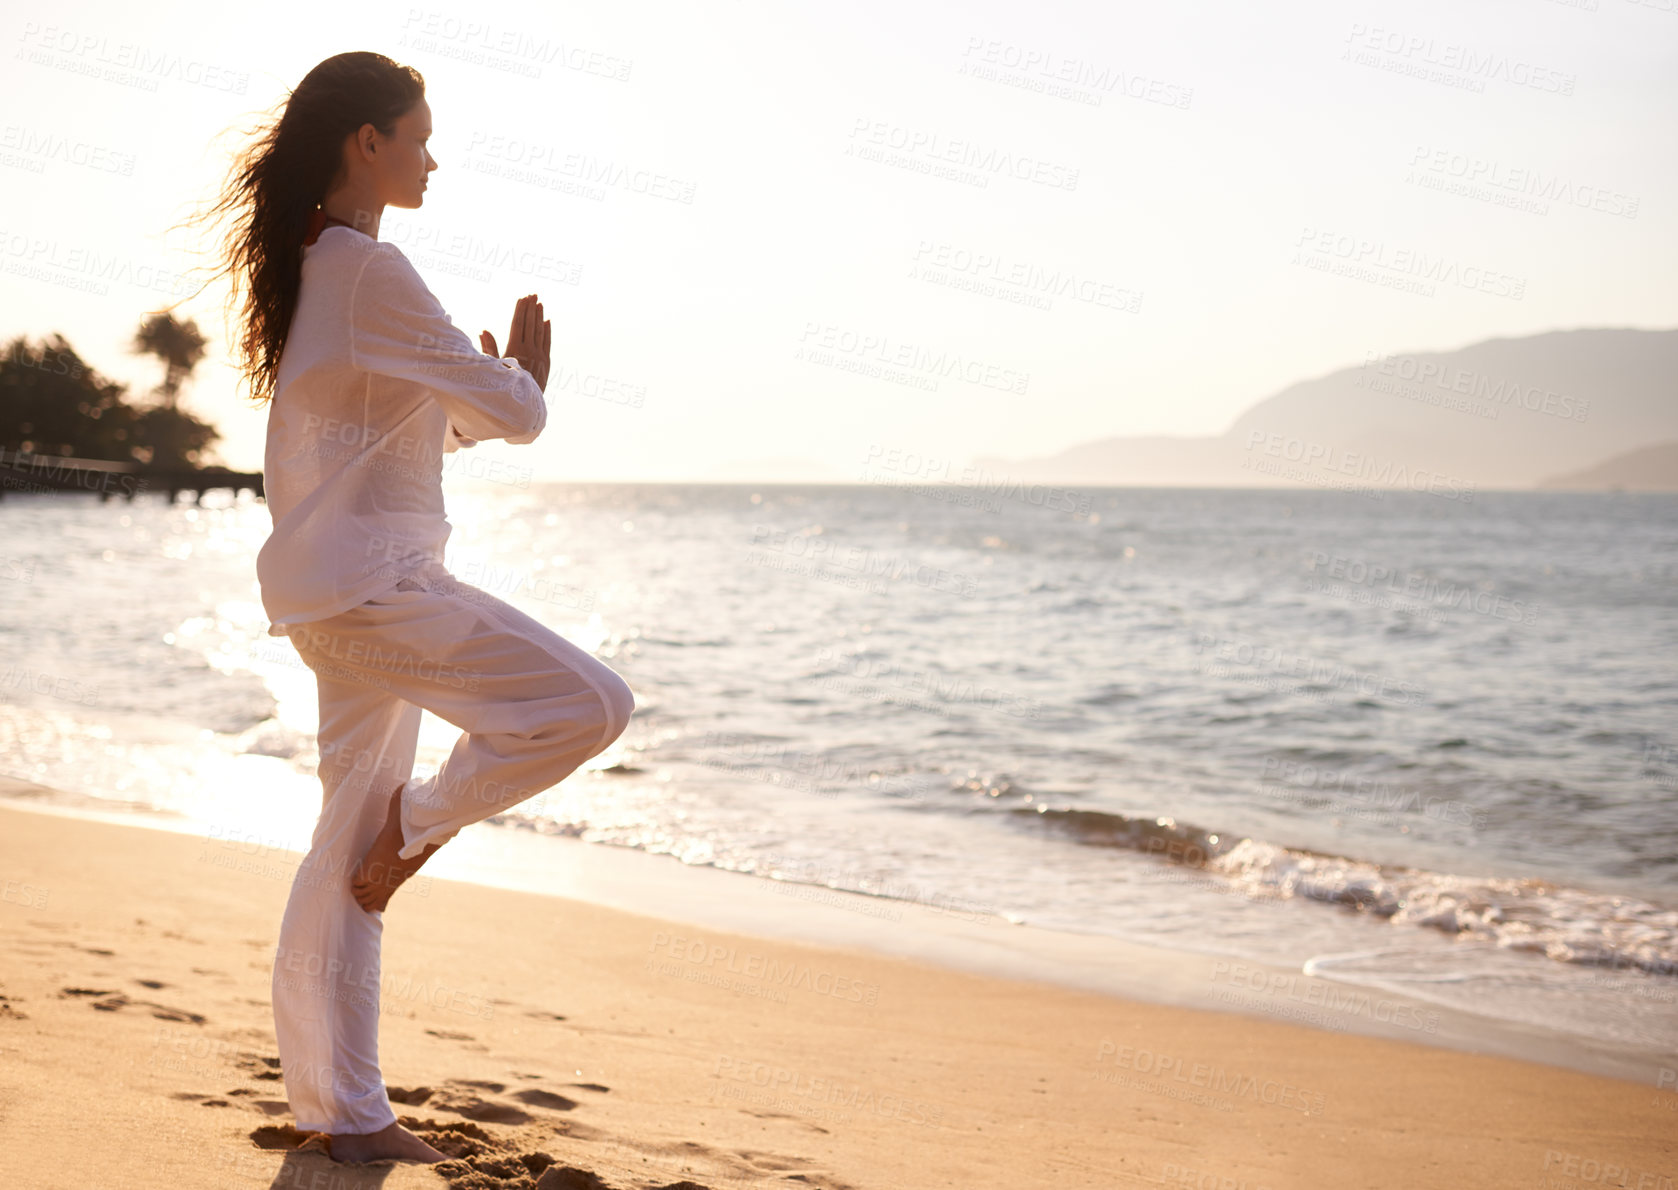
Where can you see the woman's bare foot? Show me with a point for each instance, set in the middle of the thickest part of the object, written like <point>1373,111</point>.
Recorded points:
<point>391,1142</point>
<point>381,872</point>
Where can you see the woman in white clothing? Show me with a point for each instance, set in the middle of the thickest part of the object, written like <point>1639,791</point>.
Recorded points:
<point>369,384</point>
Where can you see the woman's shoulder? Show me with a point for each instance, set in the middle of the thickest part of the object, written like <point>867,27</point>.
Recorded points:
<point>345,245</point>
<point>362,259</point>
<point>382,282</point>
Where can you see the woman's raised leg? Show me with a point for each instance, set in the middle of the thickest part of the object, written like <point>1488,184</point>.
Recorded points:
<point>532,706</point>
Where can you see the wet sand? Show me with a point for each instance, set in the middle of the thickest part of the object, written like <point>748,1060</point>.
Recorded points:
<point>553,1043</point>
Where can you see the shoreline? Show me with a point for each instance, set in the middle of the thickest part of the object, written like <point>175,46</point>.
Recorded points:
<point>708,898</point>
<point>521,1028</point>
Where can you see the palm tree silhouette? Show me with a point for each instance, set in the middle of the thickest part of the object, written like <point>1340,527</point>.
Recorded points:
<point>178,344</point>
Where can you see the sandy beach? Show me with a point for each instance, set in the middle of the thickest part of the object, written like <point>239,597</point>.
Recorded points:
<point>555,1043</point>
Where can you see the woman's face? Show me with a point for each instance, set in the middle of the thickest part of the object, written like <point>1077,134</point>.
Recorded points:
<point>403,161</point>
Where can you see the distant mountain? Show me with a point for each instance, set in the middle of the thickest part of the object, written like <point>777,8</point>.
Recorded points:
<point>1652,469</point>
<point>1504,413</point>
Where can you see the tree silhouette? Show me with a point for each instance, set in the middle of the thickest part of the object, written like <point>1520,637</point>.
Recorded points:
<point>177,344</point>
<point>53,403</point>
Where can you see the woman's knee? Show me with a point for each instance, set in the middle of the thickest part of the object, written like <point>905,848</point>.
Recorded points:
<point>622,700</point>
<point>618,704</point>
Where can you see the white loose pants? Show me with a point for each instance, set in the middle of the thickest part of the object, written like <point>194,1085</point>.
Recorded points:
<point>531,706</point>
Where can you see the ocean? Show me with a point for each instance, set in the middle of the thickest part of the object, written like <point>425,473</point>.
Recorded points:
<point>1398,740</point>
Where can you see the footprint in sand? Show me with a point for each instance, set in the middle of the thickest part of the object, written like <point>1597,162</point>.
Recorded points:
<point>268,1107</point>
<point>484,1171</point>
<point>478,1160</point>
<point>536,1097</point>
<point>569,1177</point>
<point>277,1137</point>
<point>259,1067</point>
<point>461,1099</point>
<point>780,1115</point>
<point>115,1001</point>
<point>202,1100</point>
<point>460,1096</point>
<point>453,1138</point>
<point>496,1169</point>
<point>461,1142</point>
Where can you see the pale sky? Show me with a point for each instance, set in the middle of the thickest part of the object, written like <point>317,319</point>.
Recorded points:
<point>788,206</point>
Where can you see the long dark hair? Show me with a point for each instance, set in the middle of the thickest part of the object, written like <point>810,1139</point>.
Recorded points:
<point>279,180</point>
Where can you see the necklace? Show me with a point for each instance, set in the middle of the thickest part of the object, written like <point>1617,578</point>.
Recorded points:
<point>317,223</point>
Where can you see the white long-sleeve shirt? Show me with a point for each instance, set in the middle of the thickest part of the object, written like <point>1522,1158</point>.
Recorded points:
<point>374,386</point>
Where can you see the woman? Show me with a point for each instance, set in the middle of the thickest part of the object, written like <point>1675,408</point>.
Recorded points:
<point>370,384</point>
